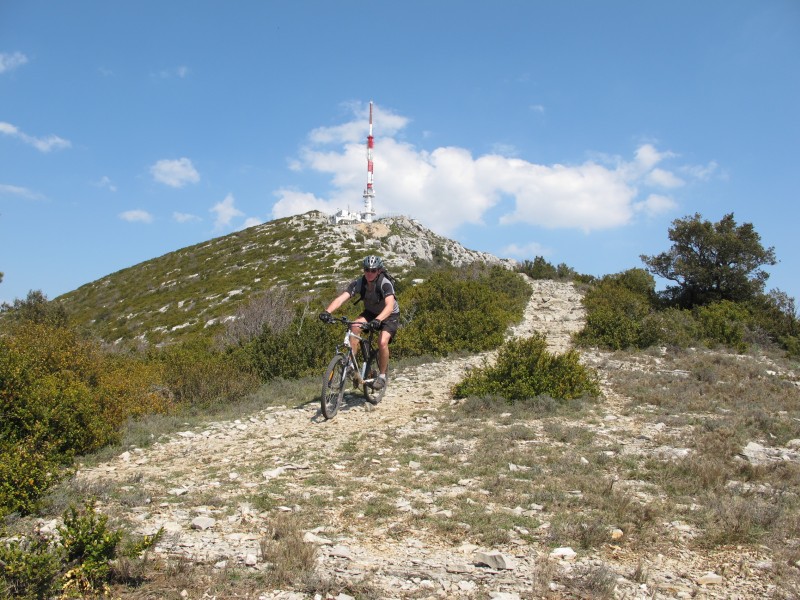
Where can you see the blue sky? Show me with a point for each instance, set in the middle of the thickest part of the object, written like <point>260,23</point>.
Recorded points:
<point>574,130</point>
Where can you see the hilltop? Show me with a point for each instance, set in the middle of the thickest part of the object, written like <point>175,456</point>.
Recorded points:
<point>190,292</point>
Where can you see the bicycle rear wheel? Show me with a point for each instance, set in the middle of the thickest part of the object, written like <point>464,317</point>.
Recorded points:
<point>373,396</point>
<point>333,386</point>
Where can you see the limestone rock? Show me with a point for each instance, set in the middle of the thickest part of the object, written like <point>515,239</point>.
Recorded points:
<point>494,560</point>
<point>203,523</point>
<point>709,579</point>
<point>565,553</point>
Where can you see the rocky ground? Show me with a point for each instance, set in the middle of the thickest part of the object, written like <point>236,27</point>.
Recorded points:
<point>206,487</point>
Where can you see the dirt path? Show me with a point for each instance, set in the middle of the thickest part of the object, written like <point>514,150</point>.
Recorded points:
<point>190,457</point>
<point>206,488</point>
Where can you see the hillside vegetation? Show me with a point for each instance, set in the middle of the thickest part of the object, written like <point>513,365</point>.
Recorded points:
<point>75,370</point>
<point>717,298</point>
<point>190,293</point>
<point>202,330</point>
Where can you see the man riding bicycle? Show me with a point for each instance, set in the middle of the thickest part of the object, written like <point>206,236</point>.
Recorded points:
<point>381,311</point>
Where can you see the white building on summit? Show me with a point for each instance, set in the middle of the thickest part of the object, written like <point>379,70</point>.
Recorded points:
<point>345,216</point>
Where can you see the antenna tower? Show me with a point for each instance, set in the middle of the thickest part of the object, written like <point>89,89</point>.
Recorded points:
<point>369,193</point>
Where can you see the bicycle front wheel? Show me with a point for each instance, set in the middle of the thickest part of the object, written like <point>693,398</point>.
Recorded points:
<point>333,386</point>
<point>372,395</point>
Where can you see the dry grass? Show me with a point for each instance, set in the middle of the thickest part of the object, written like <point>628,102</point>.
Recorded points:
<point>550,474</point>
<point>290,558</point>
<point>595,581</point>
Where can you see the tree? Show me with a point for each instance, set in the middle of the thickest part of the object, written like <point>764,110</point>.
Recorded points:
<point>539,268</point>
<point>711,262</point>
<point>36,308</point>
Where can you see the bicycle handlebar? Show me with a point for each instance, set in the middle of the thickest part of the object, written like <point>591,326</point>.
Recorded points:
<point>345,321</point>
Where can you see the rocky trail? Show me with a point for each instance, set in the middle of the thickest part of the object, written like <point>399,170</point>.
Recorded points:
<point>201,486</point>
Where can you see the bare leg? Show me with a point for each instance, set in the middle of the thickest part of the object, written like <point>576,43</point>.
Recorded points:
<point>383,352</point>
<point>356,330</point>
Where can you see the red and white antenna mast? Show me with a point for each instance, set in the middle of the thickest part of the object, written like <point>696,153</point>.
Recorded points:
<point>369,193</point>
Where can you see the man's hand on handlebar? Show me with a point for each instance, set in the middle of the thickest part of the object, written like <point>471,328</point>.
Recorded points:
<point>374,325</point>
<point>325,316</point>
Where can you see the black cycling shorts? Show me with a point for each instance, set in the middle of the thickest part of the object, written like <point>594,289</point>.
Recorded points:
<point>390,324</point>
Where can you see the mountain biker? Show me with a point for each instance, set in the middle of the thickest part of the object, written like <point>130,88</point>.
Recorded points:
<point>381,310</point>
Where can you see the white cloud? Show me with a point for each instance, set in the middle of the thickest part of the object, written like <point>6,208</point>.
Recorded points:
<point>225,212</point>
<point>537,108</point>
<point>349,132</point>
<point>702,172</point>
<point>180,72</point>
<point>185,217</point>
<point>106,183</point>
<point>587,196</point>
<point>662,178</point>
<point>655,205</point>
<point>175,173</point>
<point>291,202</point>
<point>448,187</point>
<point>647,156</point>
<point>356,131</point>
<point>51,142</point>
<point>251,222</point>
<point>15,190</point>
<point>10,61</point>
<point>526,251</point>
<point>136,216</point>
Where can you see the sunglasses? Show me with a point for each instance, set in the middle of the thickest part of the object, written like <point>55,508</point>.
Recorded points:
<point>370,270</point>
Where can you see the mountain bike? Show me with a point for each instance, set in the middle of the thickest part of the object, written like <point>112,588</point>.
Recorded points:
<point>345,365</point>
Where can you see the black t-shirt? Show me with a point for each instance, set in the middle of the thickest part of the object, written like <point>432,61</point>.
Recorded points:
<point>373,301</point>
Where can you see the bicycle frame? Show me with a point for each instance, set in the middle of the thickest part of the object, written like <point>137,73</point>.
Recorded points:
<point>346,348</point>
<point>345,365</point>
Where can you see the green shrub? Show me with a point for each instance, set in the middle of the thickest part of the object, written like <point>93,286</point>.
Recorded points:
<point>638,281</point>
<point>539,268</point>
<point>623,312</point>
<point>525,370</point>
<point>673,327</point>
<point>80,563</point>
<point>197,376</point>
<point>608,327</point>
<point>438,333</point>
<point>776,314</point>
<point>49,381</point>
<point>792,345</point>
<point>36,308</point>
<point>724,322</point>
<point>89,546</point>
<point>29,569</point>
<point>459,311</point>
<point>302,348</point>
<point>61,395</point>
<point>130,387</point>
<point>615,321</point>
<point>27,469</point>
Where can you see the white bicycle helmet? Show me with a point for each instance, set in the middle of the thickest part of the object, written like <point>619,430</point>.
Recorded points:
<point>373,262</point>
